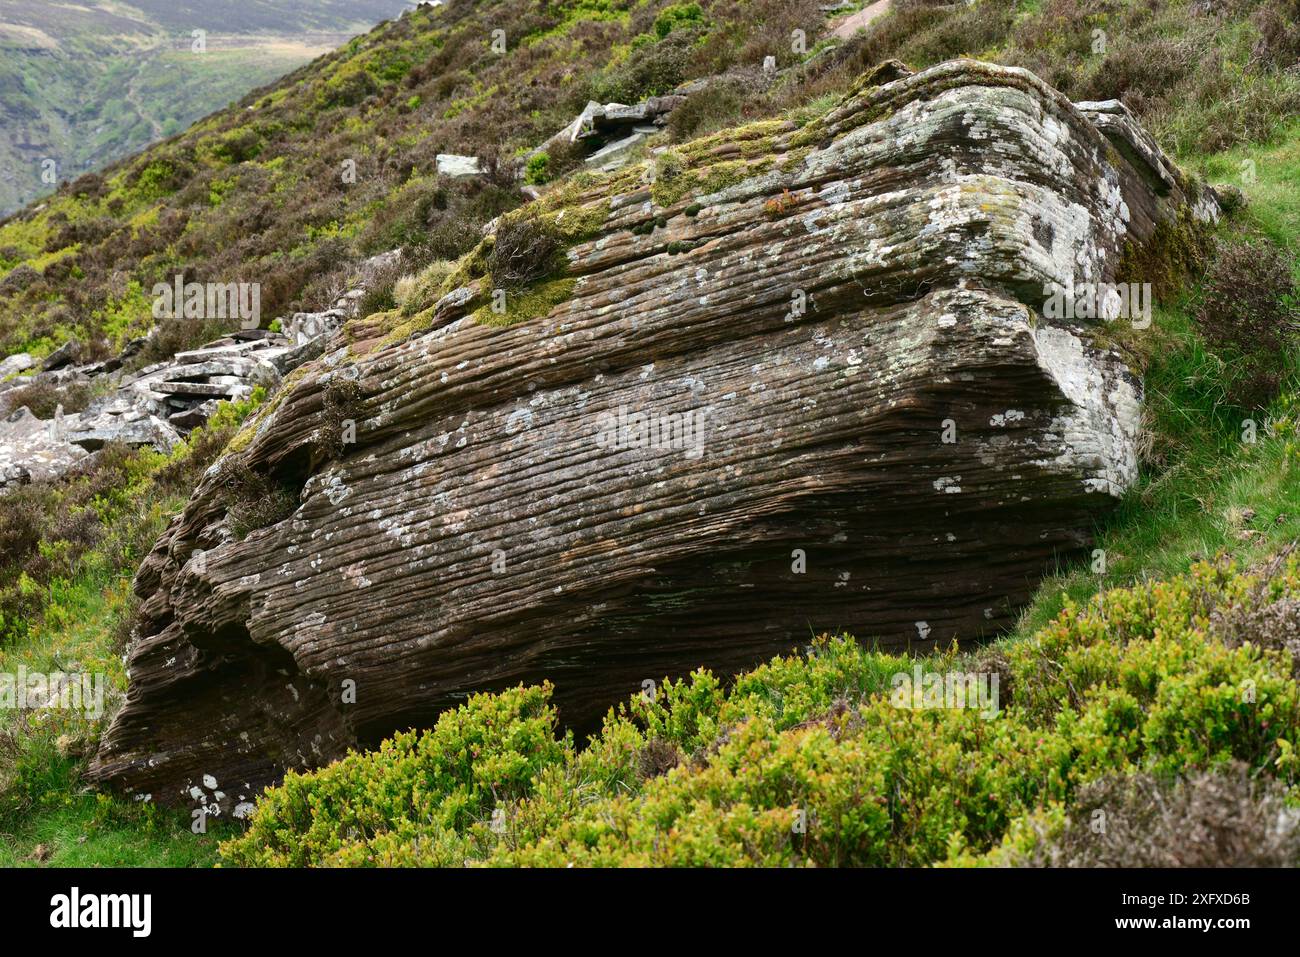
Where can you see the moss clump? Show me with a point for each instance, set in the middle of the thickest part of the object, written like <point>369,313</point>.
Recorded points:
<point>794,159</point>
<point>521,260</point>
<point>671,184</point>
<point>244,437</point>
<point>577,223</point>
<point>650,225</point>
<point>1180,247</point>
<point>753,139</point>
<point>586,186</point>
<point>531,302</point>
<point>473,265</point>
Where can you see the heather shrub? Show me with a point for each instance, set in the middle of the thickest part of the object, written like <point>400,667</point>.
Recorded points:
<point>1278,27</point>
<point>1227,817</point>
<point>252,498</point>
<point>18,279</point>
<point>526,248</point>
<point>1249,315</point>
<point>43,399</point>
<point>46,528</point>
<point>1274,625</point>
<point>719,104</point>
<point>105,514</point>
<point>380,289</point>
<point>1143,67</point>
<point>652,68</point>
<point>449,237</point>
<point>340,405</point>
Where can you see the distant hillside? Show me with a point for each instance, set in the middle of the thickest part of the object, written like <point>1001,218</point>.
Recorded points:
<point>256,192</point>
<point>84,83</point>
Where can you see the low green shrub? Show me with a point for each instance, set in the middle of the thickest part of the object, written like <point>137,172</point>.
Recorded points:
<point>414,788</point>
<point>808,760</point>
<point>537,170</point>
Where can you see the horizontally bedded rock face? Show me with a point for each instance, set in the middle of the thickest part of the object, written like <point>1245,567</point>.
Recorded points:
<point>902,459</point>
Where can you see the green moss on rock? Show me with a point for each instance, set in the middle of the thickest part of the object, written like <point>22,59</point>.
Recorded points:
<point>532,302</point>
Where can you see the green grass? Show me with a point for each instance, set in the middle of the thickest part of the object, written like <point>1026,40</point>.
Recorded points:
<point>87,830</point>
<point>1193,501</point>
<point>46,814</point>
<point>1273,192</point>
<point>42,802</point>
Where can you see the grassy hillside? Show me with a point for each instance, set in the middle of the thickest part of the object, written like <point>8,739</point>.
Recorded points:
<point>1146,681</point>
<point>86,83</point>
<point>258,193</point>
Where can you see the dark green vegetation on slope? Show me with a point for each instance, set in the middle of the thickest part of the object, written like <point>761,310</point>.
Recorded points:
<point>257,193</point>
<point>743,758</point>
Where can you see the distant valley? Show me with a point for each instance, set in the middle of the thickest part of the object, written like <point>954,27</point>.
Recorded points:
<point>85,83</point>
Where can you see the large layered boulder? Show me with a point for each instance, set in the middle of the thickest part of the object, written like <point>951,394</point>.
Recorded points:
<point>801,382</point>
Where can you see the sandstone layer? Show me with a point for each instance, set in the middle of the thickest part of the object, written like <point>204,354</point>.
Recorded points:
<point>894,441</point>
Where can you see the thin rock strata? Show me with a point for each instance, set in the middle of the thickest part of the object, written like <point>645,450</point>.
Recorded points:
<point>901,459</point>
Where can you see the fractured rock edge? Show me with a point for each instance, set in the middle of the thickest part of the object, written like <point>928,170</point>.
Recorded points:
<point>160,403</point>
